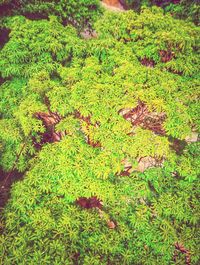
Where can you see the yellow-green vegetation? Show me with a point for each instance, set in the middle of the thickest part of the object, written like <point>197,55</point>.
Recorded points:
<point>80,108</point>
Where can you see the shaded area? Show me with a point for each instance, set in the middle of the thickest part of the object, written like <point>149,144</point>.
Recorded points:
<point>89,203</point>
<point>147,62</point>
<point>35,16</point>
<point>177,145</point>
<point>49,121</point>
<point>88,122</point>
<point>141,116</point>
<point>5,186</point>
<point>165,2</point>
<point>6,9</point>
<point>181,248</point>
<point>4,36</point>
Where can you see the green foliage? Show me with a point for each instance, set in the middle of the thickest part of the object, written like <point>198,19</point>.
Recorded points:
<point>182,9</point>
<point>88,84</point>
<point>81,14</point>
<point>38,44</point>
<point>185,9</point>
<point>135,4</point>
